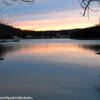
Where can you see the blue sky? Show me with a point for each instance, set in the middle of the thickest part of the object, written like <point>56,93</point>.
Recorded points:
<point>41,13</point>
<point>42,6</point>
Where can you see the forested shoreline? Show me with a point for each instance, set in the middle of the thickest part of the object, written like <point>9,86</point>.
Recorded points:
<point>9,32</point>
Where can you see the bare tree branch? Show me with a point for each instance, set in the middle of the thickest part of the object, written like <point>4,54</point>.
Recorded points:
<point>9,2</point>
<point>85,4</point>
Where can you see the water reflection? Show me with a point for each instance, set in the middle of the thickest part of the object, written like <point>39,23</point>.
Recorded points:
<point>94,47</point>
<point>49,70</point>
<point>46,48</point>
<point>5,49</point>
<point>59,52</point>
<point>2,50</point>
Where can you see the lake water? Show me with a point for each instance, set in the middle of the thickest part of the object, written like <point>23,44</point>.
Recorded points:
<point>52,69</point>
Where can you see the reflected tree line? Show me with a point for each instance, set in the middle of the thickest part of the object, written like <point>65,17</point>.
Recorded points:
<point>95,48</point>
<point>6,48</point>
<point>3,51</point>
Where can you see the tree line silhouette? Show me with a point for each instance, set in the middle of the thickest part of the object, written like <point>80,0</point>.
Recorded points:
<point>8,32</point>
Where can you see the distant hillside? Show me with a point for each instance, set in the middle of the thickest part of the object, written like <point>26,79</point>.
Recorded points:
<point>8,32</point>
<point>87,33</point>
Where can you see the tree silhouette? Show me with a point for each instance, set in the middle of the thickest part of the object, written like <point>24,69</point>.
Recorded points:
<point>9,2</point>
<point>85,4</point>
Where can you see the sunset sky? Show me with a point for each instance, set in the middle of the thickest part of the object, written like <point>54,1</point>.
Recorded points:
<point>49,15</point>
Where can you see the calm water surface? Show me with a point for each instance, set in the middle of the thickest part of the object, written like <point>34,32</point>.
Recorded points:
<point>51,69</point>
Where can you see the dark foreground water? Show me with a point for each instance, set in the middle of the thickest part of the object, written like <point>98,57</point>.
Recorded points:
<point>51,69</point>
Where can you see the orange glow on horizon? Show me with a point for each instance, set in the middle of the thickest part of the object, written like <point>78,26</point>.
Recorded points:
<point>54,24</point>
<point>47,28</point>
<point>61,20</point>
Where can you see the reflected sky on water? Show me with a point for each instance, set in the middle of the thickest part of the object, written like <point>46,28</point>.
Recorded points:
<point>50,69</point>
